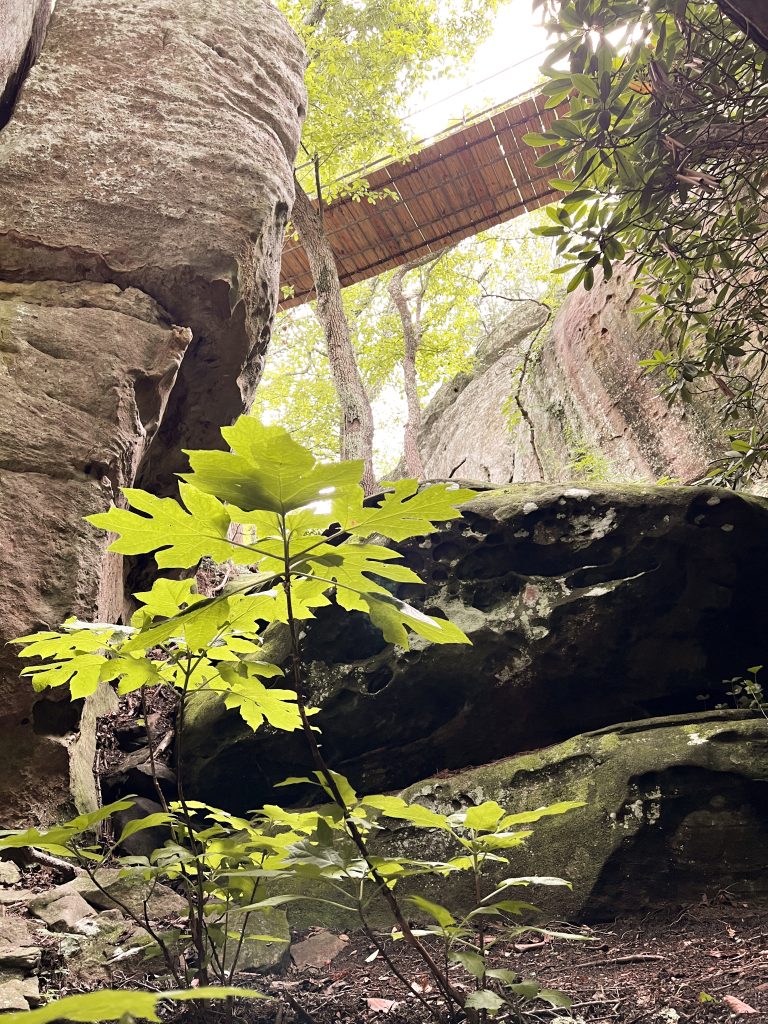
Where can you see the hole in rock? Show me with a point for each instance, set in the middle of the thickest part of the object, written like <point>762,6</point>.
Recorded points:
<point>377,680</point>
<point>448,551</point>
<point>342,642</point>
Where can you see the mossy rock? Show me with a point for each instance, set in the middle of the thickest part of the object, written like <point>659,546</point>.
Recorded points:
<point>675,809</point>
<point>585,607</point>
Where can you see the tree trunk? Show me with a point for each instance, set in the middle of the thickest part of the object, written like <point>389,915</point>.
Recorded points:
<point>357,418</point>
<point>751,15</point>
<point>414,467</point>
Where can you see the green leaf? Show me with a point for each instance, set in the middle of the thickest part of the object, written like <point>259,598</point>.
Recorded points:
<point>114,1004</point>
<point>524,989</point>
<point>257,703</point>
<point>139,824</point>
<point>436,911</point>
<point>525,817</point>
<point>485,999</point>
<point>206,621</point>
<point>415,814</point>
<point>267,470</point>
<point>407,512</point>
<point>180,536</point>
<point>503,974</point>
<point>515,907</point>
<point>55,840</point>
<point>82,673</point>
<point>534,880</point>
<point>350,567</point>
<point>133,672</point>
<point>555,997</point>
<point>483,817</point>
<point>392,616</point>
<point>166,599</point>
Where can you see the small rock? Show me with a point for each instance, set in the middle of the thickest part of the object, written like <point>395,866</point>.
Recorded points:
<point>12,995</point>
<point>62,914</point>
<point>256,955</point>
<point>132,891</point>
<point>16,931</point>
<point>26,957</point>
<point>18,992</point>
<point>9,896</point>
<point>318,950</point>
<point>9,873</point>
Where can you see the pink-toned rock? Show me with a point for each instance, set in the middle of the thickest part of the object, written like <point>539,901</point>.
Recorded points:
<point>587,409</point>
<point>317,950</point>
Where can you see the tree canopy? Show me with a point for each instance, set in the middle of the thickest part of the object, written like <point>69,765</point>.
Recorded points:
<point>366,61</point>
<point>662,156</point>
<point>469,291</point>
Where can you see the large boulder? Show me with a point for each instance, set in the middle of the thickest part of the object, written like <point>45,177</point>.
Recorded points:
<point>675,809</point>
<point>585,607</point>
<point>584,408</point>
<point>145,184</point>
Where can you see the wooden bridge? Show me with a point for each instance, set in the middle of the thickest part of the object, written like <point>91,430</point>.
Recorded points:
<point>471,178</point>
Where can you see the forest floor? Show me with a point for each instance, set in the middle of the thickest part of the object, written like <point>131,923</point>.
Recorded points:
<point>706,963</point>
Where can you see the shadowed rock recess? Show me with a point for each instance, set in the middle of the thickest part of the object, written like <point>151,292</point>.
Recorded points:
<point>674,808</point>
<point>585,607</point>
<point>145,184</point>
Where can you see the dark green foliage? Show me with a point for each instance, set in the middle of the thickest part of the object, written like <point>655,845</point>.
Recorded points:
<point>662,156</point>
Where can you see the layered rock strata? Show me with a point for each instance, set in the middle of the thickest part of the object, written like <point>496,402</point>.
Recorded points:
<point>145,184</point>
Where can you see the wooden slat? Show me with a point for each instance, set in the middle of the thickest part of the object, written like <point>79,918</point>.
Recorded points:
<point>476,177</point>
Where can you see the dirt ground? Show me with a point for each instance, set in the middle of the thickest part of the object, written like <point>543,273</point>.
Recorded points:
<point>705,963</point>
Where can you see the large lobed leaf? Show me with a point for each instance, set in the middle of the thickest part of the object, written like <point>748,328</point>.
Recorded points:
<point>407,512</point>
<point>267,470</point>
<point>180,536</point>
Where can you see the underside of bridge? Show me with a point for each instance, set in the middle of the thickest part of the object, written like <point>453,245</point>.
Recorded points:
<point>471,178</point>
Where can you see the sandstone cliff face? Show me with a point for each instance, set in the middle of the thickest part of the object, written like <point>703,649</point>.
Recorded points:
<point>22,30</point>
<point>587,410</point>
<point>145,183</point>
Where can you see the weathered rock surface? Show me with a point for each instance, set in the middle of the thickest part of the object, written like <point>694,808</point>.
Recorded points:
<point>18,992</point>
<point>131,892</point>
<point>61,909</point>
<point>86,371</point>
<point>19,958</point>
<point>467,430</point>
<point>317,950</point>
<point>9,873</point>
<point>585,607</point>
<point>588,409</point>
<point>168,171</point>
<point>22,30</point>
<point>675,808</point>
<point>142,208</point>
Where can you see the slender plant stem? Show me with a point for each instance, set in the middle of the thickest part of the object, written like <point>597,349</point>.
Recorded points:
<point>450,993</point>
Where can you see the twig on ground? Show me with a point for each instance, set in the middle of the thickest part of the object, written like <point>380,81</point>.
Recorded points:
<point>632,958</point>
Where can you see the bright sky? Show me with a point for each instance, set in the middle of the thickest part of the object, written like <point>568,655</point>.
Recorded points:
<point>505,65</point>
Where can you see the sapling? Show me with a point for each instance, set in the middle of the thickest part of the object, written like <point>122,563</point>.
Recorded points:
<point>303,538</point>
